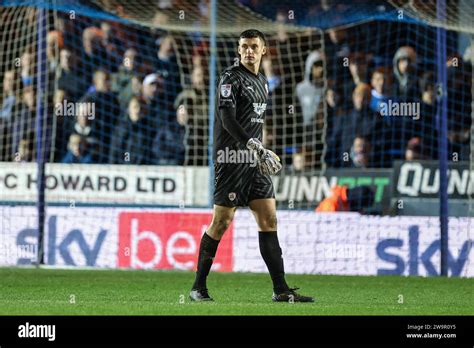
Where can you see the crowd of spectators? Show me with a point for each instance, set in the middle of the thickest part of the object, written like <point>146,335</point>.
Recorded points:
<point>133,102</point>
<point>394,112</point>
<point>112,93</point>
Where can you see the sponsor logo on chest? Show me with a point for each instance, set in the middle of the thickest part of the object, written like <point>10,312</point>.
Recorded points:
<point>259,108</point>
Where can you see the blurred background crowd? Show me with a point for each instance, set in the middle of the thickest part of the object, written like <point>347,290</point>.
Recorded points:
<point>150,105</point>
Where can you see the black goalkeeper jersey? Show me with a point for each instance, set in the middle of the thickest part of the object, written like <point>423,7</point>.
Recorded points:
<point>241,89</point>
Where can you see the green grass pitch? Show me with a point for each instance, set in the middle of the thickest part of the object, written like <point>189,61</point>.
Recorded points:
<point>30,291</point>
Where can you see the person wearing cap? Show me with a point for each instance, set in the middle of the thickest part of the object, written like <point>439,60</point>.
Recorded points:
<point>150,89</point>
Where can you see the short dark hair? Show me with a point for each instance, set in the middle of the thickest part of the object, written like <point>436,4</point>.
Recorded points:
<point>251,33</point>
<point>380,70</point>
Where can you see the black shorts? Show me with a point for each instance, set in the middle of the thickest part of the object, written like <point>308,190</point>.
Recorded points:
<point>235,185</point>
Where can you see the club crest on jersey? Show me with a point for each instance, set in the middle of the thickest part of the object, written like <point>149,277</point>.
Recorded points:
<point>226,90</point>
<point>232,196</point>
<point>259,108</point>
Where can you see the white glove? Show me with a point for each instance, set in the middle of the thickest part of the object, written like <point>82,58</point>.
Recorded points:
<point>268,162</point>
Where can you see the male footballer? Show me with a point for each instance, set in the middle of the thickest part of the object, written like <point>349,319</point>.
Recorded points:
<point>241,102</point>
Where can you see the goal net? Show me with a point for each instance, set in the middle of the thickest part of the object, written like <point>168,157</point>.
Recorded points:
<point>106,127</point>
<point>114,99</point>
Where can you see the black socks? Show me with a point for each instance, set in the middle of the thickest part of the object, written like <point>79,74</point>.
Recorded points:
<point>207,251</point>
<point>271,253</point>
<point>269,248</point>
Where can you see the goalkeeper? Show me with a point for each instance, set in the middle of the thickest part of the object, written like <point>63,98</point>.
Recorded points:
<point>241,103</point>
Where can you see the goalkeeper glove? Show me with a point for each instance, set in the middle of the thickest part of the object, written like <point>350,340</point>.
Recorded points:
<point>267,161</point>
